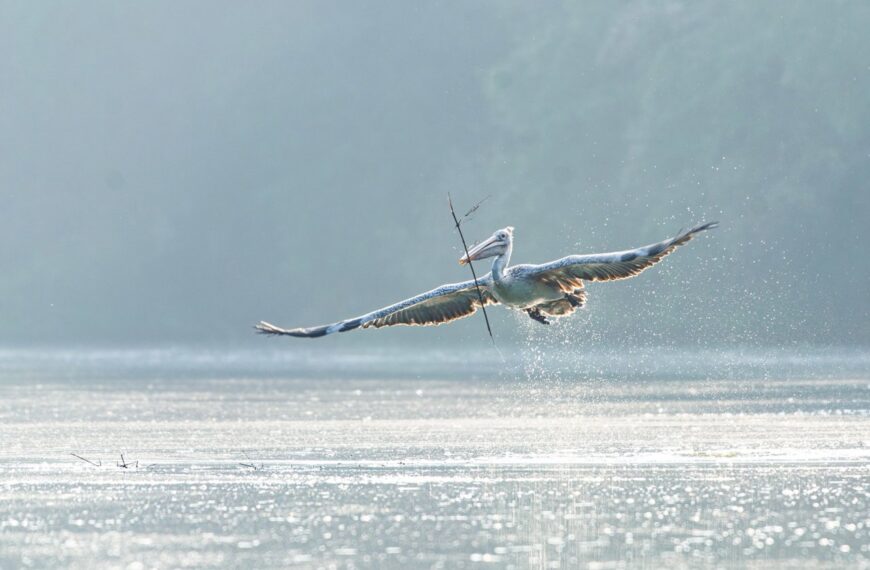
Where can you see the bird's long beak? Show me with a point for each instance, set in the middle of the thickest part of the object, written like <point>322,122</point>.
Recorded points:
<point>480,251</point>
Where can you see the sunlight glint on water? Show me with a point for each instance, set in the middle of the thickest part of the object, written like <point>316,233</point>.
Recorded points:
<point>273,458</point>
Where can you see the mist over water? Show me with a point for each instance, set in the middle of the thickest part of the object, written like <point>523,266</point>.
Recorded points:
<point>177,173</point>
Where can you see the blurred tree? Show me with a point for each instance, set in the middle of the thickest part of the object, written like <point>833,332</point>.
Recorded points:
<point>752,112</point>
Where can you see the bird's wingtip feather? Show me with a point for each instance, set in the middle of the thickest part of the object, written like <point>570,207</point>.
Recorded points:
<point>268,328</point>
<point>706,226</point>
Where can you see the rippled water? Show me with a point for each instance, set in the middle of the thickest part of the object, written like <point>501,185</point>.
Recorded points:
<point>396,459</point>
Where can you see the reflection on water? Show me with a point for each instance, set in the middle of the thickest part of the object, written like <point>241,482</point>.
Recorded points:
<point>253,459</point>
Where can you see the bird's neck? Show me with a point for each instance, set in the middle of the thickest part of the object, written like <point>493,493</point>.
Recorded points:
<point>500,263</point>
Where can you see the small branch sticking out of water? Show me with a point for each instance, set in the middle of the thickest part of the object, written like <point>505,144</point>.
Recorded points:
<point>124,464</point>
<point>458,223</point>
<point>250,465</point>
<point>98,464</point>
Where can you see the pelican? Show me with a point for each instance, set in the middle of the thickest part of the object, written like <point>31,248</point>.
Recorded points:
<point>544,292</point>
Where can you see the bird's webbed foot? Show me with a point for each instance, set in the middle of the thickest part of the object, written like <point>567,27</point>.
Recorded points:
<point>535,314</point>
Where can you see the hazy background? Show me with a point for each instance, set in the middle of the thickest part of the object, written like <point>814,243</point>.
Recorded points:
<point>174,172</point>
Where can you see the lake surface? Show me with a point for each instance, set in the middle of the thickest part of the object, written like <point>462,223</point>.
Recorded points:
<point>454,459</point>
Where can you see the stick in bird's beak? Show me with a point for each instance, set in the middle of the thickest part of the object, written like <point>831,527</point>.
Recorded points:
<point>479,251</point>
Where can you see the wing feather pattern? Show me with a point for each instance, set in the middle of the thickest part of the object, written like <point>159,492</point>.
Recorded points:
<point>570,272</point>
<point>442,305</point>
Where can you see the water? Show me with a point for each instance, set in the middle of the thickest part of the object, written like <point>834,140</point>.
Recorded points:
<point>398,459</point>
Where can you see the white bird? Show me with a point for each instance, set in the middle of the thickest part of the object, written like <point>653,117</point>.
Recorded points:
<point>553,289</point>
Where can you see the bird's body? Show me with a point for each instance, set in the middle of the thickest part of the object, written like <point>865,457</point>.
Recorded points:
<point>517,288</point>
<point>545,291</point>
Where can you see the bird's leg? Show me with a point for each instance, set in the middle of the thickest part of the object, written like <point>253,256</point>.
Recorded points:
<point>536,315</point>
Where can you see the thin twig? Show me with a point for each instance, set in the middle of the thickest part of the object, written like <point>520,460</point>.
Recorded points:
<point>471,265</point>
<point>475,207</point>
<point>251,464</point>
<point>125,465</point>
<point>88,460</point>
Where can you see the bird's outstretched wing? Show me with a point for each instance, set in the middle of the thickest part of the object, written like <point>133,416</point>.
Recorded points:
<point>569,272</point>
<point>442,305</point>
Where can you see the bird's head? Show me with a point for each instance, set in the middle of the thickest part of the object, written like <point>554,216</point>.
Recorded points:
<point>497,244</point>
